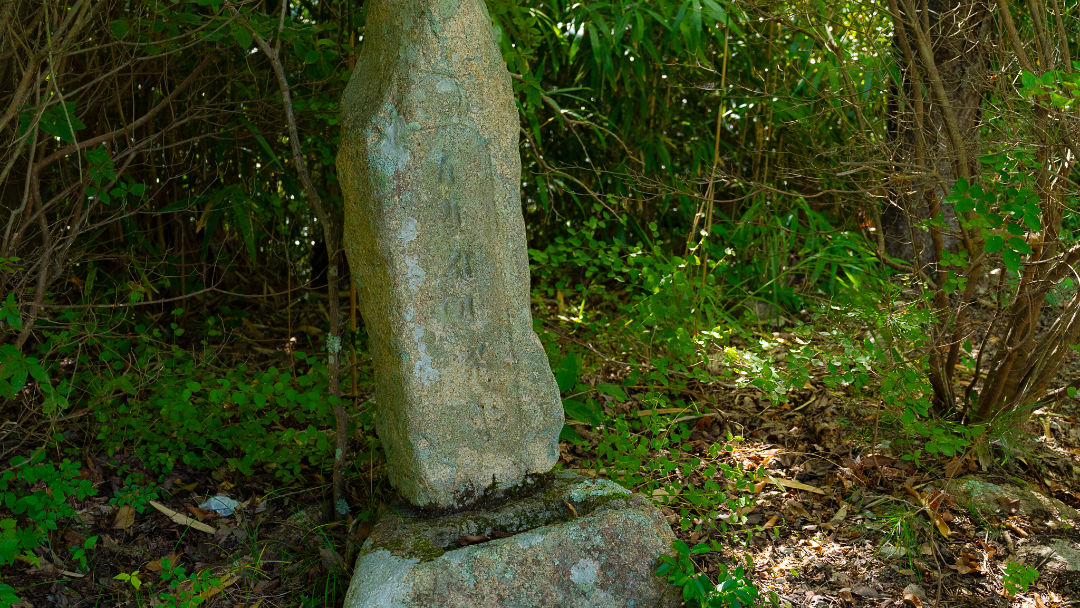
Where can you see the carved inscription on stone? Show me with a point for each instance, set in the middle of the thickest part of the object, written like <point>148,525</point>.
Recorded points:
<point>430,172</point>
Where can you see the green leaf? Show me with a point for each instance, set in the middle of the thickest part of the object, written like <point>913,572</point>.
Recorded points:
<point>961,186</point>
<point>240,218</point>
<point>1011,259</point>
<point>598,50</point>
<point>241,35</point>
<point>566,373</point>
<point>993,244</point>
<point>119,27</point>
<point>581,412</point>
<point>1019,245</point>
<point>1028,79</point>
<point>569,434</point>
<point>964,205</point>
<point>60,121</point>
<point>612,390</point>
<point>1032,216</point>
<point>265,145</point>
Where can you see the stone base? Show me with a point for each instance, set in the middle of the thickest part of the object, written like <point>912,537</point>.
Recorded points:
<point>578,542</point>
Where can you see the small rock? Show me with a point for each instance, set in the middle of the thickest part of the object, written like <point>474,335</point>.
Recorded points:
<point>865,591</point>
<point>222,505</point>
<point>890,551</point>
<point>915,590</point>
<point>1060,553</point>
<point>988,497</point>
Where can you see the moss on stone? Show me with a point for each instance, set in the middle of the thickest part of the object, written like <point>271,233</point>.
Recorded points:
<point>423,550</point>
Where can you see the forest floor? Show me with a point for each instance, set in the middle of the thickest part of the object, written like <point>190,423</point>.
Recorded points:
<point>839,518</point>
<point>846,524</point>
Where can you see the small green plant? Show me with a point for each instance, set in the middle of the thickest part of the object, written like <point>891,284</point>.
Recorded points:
<point>138,496</point>
<point>132,579</point>
<point>733,589</point>
<point>1018,577</point>
<point>79,553</point>
<point>902,527</point>
<point>37,494</point>
<point>7,595</point>
<point>183,598</point>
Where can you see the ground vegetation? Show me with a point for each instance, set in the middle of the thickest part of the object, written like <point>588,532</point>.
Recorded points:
<point>805,273</point>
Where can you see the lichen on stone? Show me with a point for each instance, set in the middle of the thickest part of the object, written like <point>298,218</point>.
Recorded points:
<point>594,488</point>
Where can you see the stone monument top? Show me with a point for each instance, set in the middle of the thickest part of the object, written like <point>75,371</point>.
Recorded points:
<point>430,169</point>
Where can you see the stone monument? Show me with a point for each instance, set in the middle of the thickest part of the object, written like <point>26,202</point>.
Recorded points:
<point>468,410</point>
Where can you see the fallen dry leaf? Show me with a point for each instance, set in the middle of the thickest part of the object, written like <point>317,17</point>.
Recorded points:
<point>914,595</point>
<point>212,591</point>
<point>1008,505</point>
<point>942,527</point>
<point>330,558</point>
<point>966,564</point>
<point>1015,529</point>
<point>466,540</point>
<point>878,460</point>
<point>797,509</point>
<point>125,518</point>
<point>183,520</point>
<point>839,516</point>
<point>200,514</point>
<point>939,500</point>
<point>952,468</point>
<point>155,566</point>
<point>798,485</point>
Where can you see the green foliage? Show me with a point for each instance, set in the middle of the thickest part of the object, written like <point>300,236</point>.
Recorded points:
<point>208,418</point>
<point>130,578</point>
<point>36,511</point>
<point>1018,577</point>
<point>175,576</point>
<point>135,495</point>
<point>79,554</point>
<point>734,589</point>
<point>1001,210</point>
<point>16,369</point>
<point>640,450</point>
<point>7,595</point>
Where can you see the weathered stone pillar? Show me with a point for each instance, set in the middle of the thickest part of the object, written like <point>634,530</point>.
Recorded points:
<point>467,405</point>
<point>430,168</point>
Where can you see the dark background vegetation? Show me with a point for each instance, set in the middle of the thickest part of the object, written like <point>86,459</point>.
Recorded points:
<point>697,175</point>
